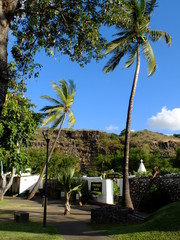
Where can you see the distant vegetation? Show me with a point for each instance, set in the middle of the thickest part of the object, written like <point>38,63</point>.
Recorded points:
<point>155,149</point>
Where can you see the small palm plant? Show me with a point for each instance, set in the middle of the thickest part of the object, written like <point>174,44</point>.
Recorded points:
<point>66,180</point>
<point>134,33</point>
<point>56,114</point>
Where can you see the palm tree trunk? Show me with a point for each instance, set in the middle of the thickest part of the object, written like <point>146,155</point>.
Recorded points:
<point>67,210</point>
<point>6,12</point>
<point>33,192</point>
<point>126,201</point>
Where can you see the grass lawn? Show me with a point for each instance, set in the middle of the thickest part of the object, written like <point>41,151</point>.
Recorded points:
<point>11,230</point>
<point>161,225</point>
<point>31,230</point>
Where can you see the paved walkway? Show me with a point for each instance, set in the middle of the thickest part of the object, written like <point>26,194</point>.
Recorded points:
<point>75,226</point>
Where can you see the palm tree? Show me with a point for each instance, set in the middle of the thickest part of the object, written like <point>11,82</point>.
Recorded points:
<point>134,33</point>
<point>66,180</point>
<point>56,115</point>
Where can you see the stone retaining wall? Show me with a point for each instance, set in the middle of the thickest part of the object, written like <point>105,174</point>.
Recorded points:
<point>113,214</point>
<point>138,187</point>
<point>170,183</point>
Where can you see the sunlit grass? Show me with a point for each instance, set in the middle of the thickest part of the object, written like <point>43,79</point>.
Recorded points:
<point>28,231</point>
<point>11,230</point>
<point>163,224</point>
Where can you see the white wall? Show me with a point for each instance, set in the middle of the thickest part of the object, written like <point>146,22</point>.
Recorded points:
<point>107,189</point>
<point>24,182</point>
<point>27,183</point>
<point>120,183</point>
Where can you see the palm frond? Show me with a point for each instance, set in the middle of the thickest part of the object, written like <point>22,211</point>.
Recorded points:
<point>75,188</point>
<point>50,118</point>
<point>64,86</point>
<point>119,34</point>
<point>57,120</point>
<point>66,178</point>
<point>142,6</point>
<point>59,92</point>
<point>113,62</point>
<point>70,101</point>
<point>149,55</point>
<point>155,35</point>
<point>136,10</point>
<point>117,43</point>
<point>71,118</point>
<point>71,88</point>
<point>52,108</point>
<point>131,60</point>
<point>51,99</point>
<point>55,114</point>
<point>150,6</point>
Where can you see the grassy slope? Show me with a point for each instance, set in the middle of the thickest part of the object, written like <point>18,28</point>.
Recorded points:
<point>161,225</point>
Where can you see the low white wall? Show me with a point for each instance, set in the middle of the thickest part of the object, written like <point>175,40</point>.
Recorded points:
<point>120,183</point>
<point>25,182</point>
<point>107,189</point>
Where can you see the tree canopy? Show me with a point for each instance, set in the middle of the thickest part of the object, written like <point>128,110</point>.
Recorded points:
<point>57,27</point>
<point>66,27</point>
<point>18,125</point>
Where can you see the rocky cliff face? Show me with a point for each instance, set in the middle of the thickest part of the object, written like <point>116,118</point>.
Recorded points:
<point>87,145</point>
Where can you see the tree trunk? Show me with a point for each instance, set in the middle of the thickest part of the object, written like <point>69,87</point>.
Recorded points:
<point>80,198</point>
<point>155,173</point>
<point>34,190</point>
<point>126,201</point>
<point>7,8</point>
<point>4,186</point>
<point>67,210</point>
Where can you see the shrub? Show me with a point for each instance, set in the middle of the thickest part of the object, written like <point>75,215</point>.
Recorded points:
<point>154,199</point>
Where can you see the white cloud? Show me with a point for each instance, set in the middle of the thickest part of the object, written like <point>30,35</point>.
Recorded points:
<point>112,128</point>
<point>166,119</point>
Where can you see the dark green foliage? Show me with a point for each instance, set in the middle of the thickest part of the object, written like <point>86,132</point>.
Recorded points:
<point>37,159</point>
<point>92,173</point>
<point>177,159</point>
<point>86,194</point>
<point>108,162</point>
<point>104,163</point>
<point>18,126</point>
<point>176,135</point>
<point>67,27</point>
<point>154,199</point>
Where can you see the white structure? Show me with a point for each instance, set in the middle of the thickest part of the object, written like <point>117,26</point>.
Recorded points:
<point>24,182</point>
<point>120,183</point>
<point>141,167</point>
<point>107,189</point>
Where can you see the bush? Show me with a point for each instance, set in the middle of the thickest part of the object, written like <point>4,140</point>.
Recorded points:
<point>154,199</point>
<point>86,194</point>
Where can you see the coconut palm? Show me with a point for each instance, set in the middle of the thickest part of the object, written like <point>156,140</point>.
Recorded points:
<point>56,114</point>
<point>134,34</point>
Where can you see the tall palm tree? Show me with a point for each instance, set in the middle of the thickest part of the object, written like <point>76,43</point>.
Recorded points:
<point>134,34</point>
<point>56,115</point>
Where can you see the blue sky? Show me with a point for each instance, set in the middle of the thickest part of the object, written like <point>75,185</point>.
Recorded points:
<point>101,99</point>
